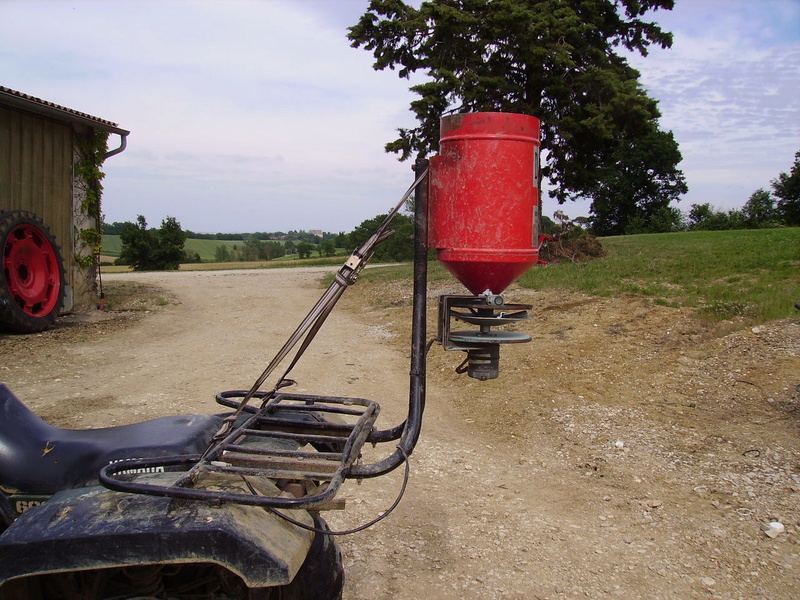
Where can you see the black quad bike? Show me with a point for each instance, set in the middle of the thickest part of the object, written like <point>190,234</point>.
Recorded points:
<point>67,536</point>
<point>223,506</point>
<point>220,506</point>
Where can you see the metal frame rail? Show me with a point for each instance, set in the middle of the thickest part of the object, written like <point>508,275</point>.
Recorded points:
<point>253,452</point>
<point>246,444</point>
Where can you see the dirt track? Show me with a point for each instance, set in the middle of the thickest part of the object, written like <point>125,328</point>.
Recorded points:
<point>629,452</point>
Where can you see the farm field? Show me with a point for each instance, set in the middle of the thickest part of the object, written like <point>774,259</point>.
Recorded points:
<point>205,248</point>
<point>751,274</point>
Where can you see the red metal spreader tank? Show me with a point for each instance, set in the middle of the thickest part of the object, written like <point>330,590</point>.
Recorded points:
<point>482,205</point>
<point>483,197</point>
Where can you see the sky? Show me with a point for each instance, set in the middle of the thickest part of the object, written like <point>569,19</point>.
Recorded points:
<point>251,115</point>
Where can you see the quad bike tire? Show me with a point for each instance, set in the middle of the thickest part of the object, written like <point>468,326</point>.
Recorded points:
<point>32,277</point>
<point>322,575</point>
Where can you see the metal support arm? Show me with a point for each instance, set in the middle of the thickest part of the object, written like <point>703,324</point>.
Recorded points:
<point>409,431</point>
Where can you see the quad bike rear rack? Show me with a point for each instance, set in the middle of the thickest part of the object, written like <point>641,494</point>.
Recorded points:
<point>270,442</point>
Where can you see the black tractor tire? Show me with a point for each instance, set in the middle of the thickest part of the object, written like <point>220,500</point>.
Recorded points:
<point>32,277</point>
<point>322,575</point>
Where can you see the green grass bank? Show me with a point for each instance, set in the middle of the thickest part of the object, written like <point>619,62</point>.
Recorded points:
<point>744,274</point>
<point>754,274</point>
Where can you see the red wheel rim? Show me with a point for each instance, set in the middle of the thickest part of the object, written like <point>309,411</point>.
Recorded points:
<point>31,269</point>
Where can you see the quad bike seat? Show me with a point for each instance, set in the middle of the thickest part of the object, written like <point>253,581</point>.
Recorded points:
<point>38,458</point>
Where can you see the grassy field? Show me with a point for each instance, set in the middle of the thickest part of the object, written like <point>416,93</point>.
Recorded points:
<point>750,274</point>
<point>205,248</point>
<point>272,264</point>
<point>753,274</point>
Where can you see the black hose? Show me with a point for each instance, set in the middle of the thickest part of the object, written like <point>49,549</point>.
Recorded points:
<point>362,527</point>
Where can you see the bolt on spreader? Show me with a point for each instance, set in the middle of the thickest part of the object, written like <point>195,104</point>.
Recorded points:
<point>476,203</point>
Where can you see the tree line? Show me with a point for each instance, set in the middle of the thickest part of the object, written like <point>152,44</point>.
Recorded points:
<point>153,249</point>
<point>116,228</point>
<point>146,248</point>
<point>150,249</point>
<point>560,61</point>
<point>779,207</point>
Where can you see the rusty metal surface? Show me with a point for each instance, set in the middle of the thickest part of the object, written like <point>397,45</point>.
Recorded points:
<point>476,311</point>
<point>484,198</point>
<point>287,439</point>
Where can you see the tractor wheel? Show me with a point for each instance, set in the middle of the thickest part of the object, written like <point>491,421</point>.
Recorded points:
<point>32,280</point>
<point>322,575</point>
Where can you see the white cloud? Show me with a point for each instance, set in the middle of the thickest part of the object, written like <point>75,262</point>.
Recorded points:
<point>729,89</point>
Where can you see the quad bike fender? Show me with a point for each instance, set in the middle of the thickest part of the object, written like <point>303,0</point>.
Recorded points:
<point>95,528</point>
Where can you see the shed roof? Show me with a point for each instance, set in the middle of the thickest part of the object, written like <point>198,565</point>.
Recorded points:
<point>13,98</point>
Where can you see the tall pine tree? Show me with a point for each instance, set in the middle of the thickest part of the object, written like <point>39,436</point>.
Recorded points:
<point>555,59</point>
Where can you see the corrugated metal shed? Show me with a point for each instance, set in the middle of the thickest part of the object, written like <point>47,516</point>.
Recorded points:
<point>37,158</point>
